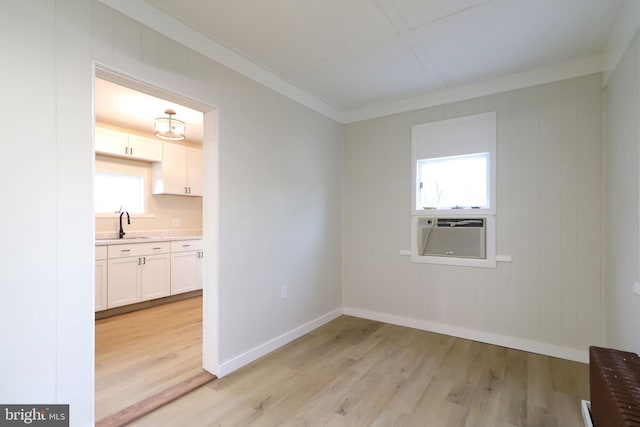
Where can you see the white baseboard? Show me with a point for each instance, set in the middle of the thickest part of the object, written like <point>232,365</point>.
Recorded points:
<point>475,335</point>
<point>255,353</point>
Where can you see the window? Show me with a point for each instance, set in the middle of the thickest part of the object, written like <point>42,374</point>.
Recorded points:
<point>119,191</point>
<point>453,206</point>
<point>455,182</point>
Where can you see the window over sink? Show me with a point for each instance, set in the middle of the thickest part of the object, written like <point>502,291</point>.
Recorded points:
<point>115,192</point>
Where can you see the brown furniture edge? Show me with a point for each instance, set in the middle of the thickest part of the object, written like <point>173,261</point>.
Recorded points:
<point>150,404</point>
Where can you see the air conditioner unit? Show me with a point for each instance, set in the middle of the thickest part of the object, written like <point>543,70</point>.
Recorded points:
<point>451,237</point>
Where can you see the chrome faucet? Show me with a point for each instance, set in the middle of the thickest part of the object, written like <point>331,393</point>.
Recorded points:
<point>122,233</point>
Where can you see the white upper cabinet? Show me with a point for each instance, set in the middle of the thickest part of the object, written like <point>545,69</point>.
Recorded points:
<point>119,144</point>
<point>180,171</point>
<point>145,148</point>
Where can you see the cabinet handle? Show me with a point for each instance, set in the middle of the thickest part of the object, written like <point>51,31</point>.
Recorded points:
<point>131,151</point>
<point>189,190</point>
<point>144,260</point>
<point>125,250</point>
<point>201,254</point>
<point>139,261</point>
<point>126,150</point>
<point>185,246</point>
<point>185,190</point>
<point>157,249</point>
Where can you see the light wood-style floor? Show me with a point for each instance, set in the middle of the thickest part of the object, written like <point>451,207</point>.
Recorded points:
<point>355,372</point>
<point>145,352</point>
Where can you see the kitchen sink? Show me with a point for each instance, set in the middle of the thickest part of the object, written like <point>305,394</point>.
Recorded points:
<point>115,239</point>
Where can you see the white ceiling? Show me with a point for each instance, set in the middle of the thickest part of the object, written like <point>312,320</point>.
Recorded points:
<point>130,109</point>
<point>357,59</point>
<point>354,54</point>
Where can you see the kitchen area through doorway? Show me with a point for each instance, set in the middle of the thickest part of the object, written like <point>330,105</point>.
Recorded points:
<point>149,248</point>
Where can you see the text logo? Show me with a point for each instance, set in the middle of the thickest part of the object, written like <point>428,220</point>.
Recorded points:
<point>34,415</point>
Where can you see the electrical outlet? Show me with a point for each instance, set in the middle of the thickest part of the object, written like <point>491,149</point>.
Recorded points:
<point>176,222</point>
<point>284,292</point>
<point>636,288</point>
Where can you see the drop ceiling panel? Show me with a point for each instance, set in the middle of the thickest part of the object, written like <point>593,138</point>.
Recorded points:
<point>285,35</point>
<point>381,72</point>
<point>353,53</point>
<point>504,37</point>
<point>420,12</point>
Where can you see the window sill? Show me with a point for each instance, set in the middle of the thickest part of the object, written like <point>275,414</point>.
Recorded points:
<point>453,212</point>
<point>489,262</point>
<point>132,215</point>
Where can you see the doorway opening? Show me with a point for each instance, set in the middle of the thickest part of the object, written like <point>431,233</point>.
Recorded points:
<point>165,224</point>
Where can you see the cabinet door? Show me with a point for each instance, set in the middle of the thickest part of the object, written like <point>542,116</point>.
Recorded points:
<point>155,276</point>
<point>111,142</point>
<point>194,171</point>
<point>199,269</point>
<point>101,285</point>
<point>123,280</point>
<point>169,176</point>
<point>145,148</point>
<point>185,272</point>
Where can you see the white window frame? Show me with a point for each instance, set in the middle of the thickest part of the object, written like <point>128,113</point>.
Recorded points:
<point>455,137</point>
<point>129,167</point>
<point>421,190</point>
<point>116,209</point>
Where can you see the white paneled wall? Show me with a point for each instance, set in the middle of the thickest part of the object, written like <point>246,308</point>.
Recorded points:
<point>549,195</point>
<point>622,185</point>
<point>279,190</point>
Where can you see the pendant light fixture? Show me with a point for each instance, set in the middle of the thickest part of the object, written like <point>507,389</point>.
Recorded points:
<point>168,127</point>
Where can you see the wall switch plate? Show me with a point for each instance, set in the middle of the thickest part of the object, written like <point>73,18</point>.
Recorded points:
<point>636,288</point>
<point>284,292</point>
<point>176,222</point>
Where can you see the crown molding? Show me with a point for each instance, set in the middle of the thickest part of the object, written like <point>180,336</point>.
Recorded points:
<point>178,31</point>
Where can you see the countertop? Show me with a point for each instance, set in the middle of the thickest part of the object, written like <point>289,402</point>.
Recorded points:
<point>144,239</point>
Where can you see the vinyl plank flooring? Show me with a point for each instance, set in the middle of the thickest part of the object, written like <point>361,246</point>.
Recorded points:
<point>356,372</point>
<point>143,353</point>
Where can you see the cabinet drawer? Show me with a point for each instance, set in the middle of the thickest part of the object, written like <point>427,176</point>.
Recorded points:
<point>138,249</point>
<point>101,253</point>
<point>186,245</point>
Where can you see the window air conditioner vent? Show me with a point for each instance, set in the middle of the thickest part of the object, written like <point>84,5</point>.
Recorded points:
<point>452,237</point>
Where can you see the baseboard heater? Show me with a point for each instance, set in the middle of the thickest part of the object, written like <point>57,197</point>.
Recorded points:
<point>614,378</point>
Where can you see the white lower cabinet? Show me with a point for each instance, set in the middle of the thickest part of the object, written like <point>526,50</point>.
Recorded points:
<point>134,272</point>
<point>138,272</point>
<point>124,281</point>
<point>156,276</point>
<point>186,266</point>
<point>101,278</point>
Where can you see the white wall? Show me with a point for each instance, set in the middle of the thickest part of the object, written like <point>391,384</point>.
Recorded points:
<point>280,177</point>
<point>622,185</point>
<point>47,222</point>
<point>279,196</point>
<point>548,218</point>
<point>161,208</point>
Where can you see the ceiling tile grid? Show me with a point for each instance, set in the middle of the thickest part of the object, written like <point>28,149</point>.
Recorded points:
<point>359,53</point>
